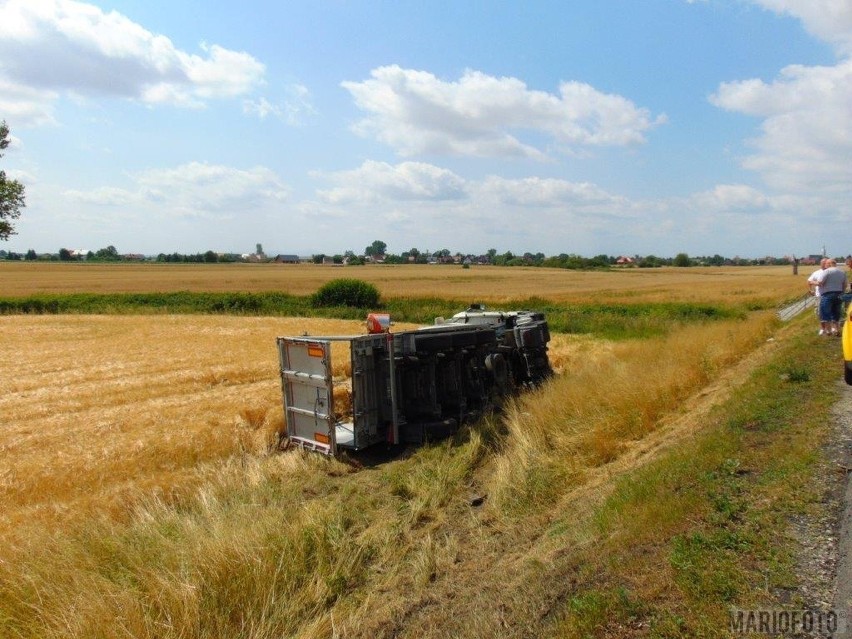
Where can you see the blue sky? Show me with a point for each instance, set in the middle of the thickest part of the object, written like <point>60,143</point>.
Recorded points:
<point>587,127</point>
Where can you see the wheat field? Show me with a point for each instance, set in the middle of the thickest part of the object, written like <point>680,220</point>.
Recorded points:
<point>479,283</point>
<point>96,408</point>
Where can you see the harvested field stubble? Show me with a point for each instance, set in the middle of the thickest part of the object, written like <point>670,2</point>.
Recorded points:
<point>101,410</point>
<point>97,409</point>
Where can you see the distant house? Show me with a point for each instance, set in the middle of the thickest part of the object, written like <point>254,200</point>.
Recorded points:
<point>287,259</point>
<point>625,259</point>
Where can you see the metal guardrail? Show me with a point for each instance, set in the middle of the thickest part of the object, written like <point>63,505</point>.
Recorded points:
<point>786,313</point>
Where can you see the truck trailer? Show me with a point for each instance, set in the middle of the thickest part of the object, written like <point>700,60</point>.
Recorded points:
<point>411,386</point>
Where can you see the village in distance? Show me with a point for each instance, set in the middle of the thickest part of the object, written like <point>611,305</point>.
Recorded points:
<point>377,253</point>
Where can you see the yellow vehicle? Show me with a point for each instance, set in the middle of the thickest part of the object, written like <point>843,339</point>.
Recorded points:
<point>847,345</point>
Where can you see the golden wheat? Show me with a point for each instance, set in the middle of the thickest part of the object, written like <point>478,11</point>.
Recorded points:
<point>495,285</point>
<point>96,405</point>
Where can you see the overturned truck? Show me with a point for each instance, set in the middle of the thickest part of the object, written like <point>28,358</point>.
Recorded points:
<point>408,386</point>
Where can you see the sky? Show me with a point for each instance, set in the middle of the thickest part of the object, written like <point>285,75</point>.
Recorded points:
<point>617,127</point>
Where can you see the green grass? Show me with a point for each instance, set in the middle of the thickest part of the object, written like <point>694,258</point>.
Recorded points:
<point>270,303</point>
<point>705,527</point>
<point>611,321</point>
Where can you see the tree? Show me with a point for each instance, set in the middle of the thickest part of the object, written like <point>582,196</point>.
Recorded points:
<point>650,261</point>
<point>376,248</point>
<point>682,259</point>
<point>108,254</point>
<point>11,193</point>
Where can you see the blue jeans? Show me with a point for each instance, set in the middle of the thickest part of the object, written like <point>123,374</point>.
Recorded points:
<point>830,307</point>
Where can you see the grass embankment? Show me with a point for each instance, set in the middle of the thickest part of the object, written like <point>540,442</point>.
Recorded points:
<point>609,502</point>
<point>707,526</point>
<point>636,319</point>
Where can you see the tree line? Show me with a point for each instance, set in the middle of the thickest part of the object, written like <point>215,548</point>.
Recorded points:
<point>412,256</point>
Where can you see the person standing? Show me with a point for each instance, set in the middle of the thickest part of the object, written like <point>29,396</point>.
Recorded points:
<point>813,287</point>
<point>847,298</point>
<point>832,284</point>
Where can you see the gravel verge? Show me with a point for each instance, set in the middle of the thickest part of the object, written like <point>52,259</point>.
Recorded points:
<point>825,536</point>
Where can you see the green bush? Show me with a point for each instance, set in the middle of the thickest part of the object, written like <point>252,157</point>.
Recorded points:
<point>347,292</point>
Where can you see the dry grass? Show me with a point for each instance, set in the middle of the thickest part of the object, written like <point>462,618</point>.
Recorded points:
<point>612,396</point>
<point>482,283</point>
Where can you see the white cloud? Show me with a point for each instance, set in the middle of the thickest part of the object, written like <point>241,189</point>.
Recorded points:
<point>547,192</point>
<point>418,183</point>
<point>298,105</point>
<point>379,181</point>
<point>480,115</point>
<point>25,105</point>
<point>194,189</point>
<point>295,109</point>
<point>49,47</point>
<point>104,196</point>
<point>262,108</point>
<point>828,20</point>
<point>805,141</point>
<point>730,197</point>
<point>423,205</point>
